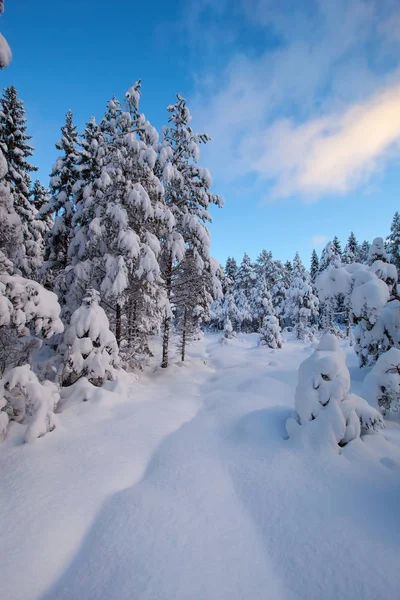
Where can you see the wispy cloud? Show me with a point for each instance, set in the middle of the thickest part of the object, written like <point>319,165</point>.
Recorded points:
<point>315,111</point>
<point>331,154</point>
<point>318,240</point>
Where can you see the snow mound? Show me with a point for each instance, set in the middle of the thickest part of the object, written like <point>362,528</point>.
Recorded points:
<point>326,412</point>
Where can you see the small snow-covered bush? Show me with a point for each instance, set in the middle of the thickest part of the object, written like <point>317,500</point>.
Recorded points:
<point>382,384</point>
<point>23,398</point>
<point>229,333</point>
<point>326,412</point>
<point>91,349</point>
<point>28,306</point>
<point>270,333</point>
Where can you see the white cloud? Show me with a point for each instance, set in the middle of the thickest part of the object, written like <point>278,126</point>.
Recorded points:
<point>318,240</point>
<point>331,154</point>
<point>314,114</point>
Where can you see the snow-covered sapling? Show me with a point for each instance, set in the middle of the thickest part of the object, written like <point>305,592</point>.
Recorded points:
<point>23,398</point>
<point>91,348</point>
<point>382,384</point>
<point>270,332</point>
<point>326,412</point>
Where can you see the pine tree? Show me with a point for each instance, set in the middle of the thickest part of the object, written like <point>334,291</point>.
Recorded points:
<point>351,251</point>
<point>90,347</point>
<point>265,268</point>
<point>63,178</point>
<point>242,292</point>
<point>279,290</point>
<point>301,304</point>
<point>230,271</point>
<point>394,241</point>
<point>364,252</point>
<point>187,196</point>
<point>314,269</point>
<point>87,249</point>
<point>194,290</point>
<point>16,149</point>
<point>337,248</point>
<point>270,331</point>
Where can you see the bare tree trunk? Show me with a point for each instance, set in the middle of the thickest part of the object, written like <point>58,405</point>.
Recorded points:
<point>118,324</point>
<point>167,319</point>
<point>183,348</point>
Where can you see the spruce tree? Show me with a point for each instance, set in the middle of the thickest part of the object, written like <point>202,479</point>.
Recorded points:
<point>187,196</point>
<point>364,252</point>
<point>337,248</point>
<point>394,241</point>
<point>314,269</point>
<point>230,271</point>
<point>351,251</point>
<point>301,304</point>
<point>61,205</point>
<point>16,148</point>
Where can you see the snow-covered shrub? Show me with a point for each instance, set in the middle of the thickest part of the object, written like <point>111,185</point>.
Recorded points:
<point>326,412</point>
<point>91,349</point>
<point>25,400</point>
<point>229,333</point>
<point>382,384</point>
<point>270,333</point>
<point>28,306</point>
<point>367,299</point>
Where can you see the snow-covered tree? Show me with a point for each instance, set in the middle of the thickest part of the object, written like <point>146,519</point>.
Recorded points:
<point>61,205</point>
<point>90,347</point>
<point>26,400</point>
<point>270,331</point>
<point>187,196</point>
<point>382,384</point>
<point>326,414</point>
<point>283,280</point>
<point>377,251</point>
<point>301,304</point>
<point>337,248</point>
<point>364,252</point>
<point>371,307</point>
<point>393,240</point>
<point>231,270</point>
<point>314,268</point>
<point>330,256</point>
<point>28,312</point>
<point>351,251</point>
<point>14,141</point>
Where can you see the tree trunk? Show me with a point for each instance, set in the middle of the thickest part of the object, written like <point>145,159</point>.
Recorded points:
<point>118,324</point>
<point>167,319</point>
<point>183,348</point>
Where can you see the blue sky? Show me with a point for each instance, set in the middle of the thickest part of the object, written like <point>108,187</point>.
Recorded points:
<point>301,99</point>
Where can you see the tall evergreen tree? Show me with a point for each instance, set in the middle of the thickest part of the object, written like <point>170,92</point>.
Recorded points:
<point>394,241</point>
<point>17,149</point>
<point>301,304</point>
<point>364,252</point>
<point>64,175</point>
<point>351,251</point>
<point>231,270</point>
<point>188,196</point>
<point>337,248</point>
<point>314,269</point>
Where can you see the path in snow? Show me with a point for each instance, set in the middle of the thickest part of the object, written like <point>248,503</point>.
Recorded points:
<point>183,486</point>
<point>226,509</point>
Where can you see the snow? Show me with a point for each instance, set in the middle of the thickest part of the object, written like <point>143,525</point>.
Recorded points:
<point>183,485</point>
<point>5,53</point>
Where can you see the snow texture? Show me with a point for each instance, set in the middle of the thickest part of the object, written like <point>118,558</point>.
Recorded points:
<point>182,485</point>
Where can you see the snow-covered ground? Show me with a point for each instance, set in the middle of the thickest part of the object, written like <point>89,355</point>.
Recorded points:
<point>183,486</point>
